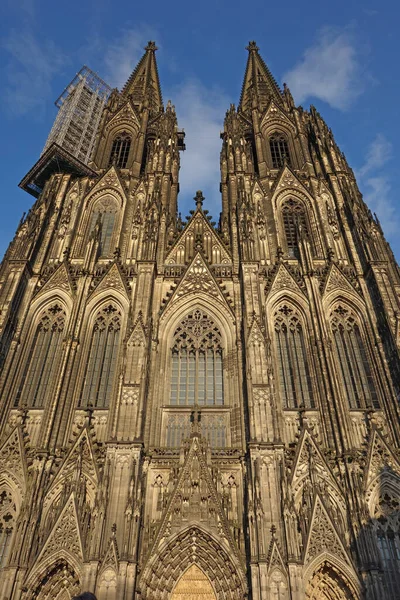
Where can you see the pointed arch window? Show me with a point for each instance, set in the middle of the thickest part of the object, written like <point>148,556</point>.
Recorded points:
<point>294,222</point>
<point>293,365</point>
<point>102,358</point>
<point>279,147</point>
<point>196,377</point>
<point>354,366</point>
<point>120,150</point>
<point>105,213</point>
<point>44,354</point>
<point>7,523</point>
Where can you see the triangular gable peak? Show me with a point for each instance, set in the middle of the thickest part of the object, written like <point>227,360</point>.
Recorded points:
<point>275,114</point>
<point>274,558</point>
<point>284,281</point>
<point>195,475</point>
<point>65,537</point>
<point>380,458</point>
<point>110,180</point>
<point>112,279</point>
<point>309,457</point>
<point>13,459</point>
<point>79,461</point>
<point>256,334</point>
<point>111,557</point>
<point>335,281</point>
<point>323,537</point>
<point>198,279</point>
<point>138,336</point>
<point>288,180</point>
<point>198,231</point>
<point>126,114</point>
<point>60,279</point>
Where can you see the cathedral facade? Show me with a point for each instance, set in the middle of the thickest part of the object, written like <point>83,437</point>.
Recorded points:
<point>191,411</point>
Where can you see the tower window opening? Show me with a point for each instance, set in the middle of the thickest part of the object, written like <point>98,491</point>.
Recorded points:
<point>293,366</point>
<point>279,150</point>
<point>102,359</point>
<point>44,354</point>
<point>294,224</point>
<point>120,151</point>
<point>196,374</point>
<point>354,366</point>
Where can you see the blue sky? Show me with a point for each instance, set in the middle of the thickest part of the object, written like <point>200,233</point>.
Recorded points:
<point>342,56</point>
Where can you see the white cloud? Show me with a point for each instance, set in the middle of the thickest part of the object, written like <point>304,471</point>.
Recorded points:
<point>377,186</point>
<point>379,152</point>
<point>122,56</point>
<point>200,111</point>
<point>32,65</point>
<point>329,70</point>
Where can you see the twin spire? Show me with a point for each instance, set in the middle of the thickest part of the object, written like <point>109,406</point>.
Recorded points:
<point>259,86</point>
<point>144,84</point>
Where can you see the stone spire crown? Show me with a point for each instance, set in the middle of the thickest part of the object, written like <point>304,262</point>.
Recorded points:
<point>143,84</point>
<point>259,85</point>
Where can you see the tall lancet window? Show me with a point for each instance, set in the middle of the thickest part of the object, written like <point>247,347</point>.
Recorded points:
<point>294,221</point>
<point>293,365</point>
<point>197,362</point>
<point>354,366</point>
<point>120,151</point>
<point>44,355</point>
<point>102,358</point>
<point>104,213</point>
<point>279,150</point>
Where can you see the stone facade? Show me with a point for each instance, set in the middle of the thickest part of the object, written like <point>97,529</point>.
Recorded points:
<point>199,412</point>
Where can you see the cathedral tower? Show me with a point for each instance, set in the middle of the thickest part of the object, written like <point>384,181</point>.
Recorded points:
<point>190,412</point>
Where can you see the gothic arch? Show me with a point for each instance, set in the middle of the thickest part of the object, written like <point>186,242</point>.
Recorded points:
<point>327,580</point>
<point>102,314</point>
<point>51,312</point>
<point>55,579</point>
<point>193,546</point>
<point>278,585</point>
<point>107,584</point>
<point>287,315</point>
<point>311,217</point>
<point>354,356</point>
<point>109,203</point>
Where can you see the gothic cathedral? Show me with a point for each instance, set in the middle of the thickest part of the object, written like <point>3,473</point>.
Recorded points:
<point>191,411</point>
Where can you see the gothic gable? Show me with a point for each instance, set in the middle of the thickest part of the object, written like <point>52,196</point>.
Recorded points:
<point>288,180</point>
<point>276,116</point>
<point>337,281</point>
<point>198,232</point>
<point>323,537</point>
<point>109,181</point>
<point>198,279</point>
<point>79,462</point>
<point>380,458</point>
<point>274,558</point>
<point>111,557</point>
<point>194,486</point>
<point>310,462</point>
<point>256,334</point>
<point>283,281</point>
<point>126,115</point>
<point>13,460</point>
<point>59,280</point>
<point>65,537</point>
<point>111,280</point>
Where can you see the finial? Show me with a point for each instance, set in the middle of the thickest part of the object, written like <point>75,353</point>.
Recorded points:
<point>252,47</point>
<point>151,47</point>
<point>199,199</point>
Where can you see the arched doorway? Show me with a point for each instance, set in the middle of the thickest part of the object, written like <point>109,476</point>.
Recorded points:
<point>328,584</point>
<point>193,585</point>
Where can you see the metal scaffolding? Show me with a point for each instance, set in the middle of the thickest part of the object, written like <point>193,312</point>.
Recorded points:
<point>80,107</point>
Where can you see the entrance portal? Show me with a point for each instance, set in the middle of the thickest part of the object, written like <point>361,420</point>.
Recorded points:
<point>193,585</point>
